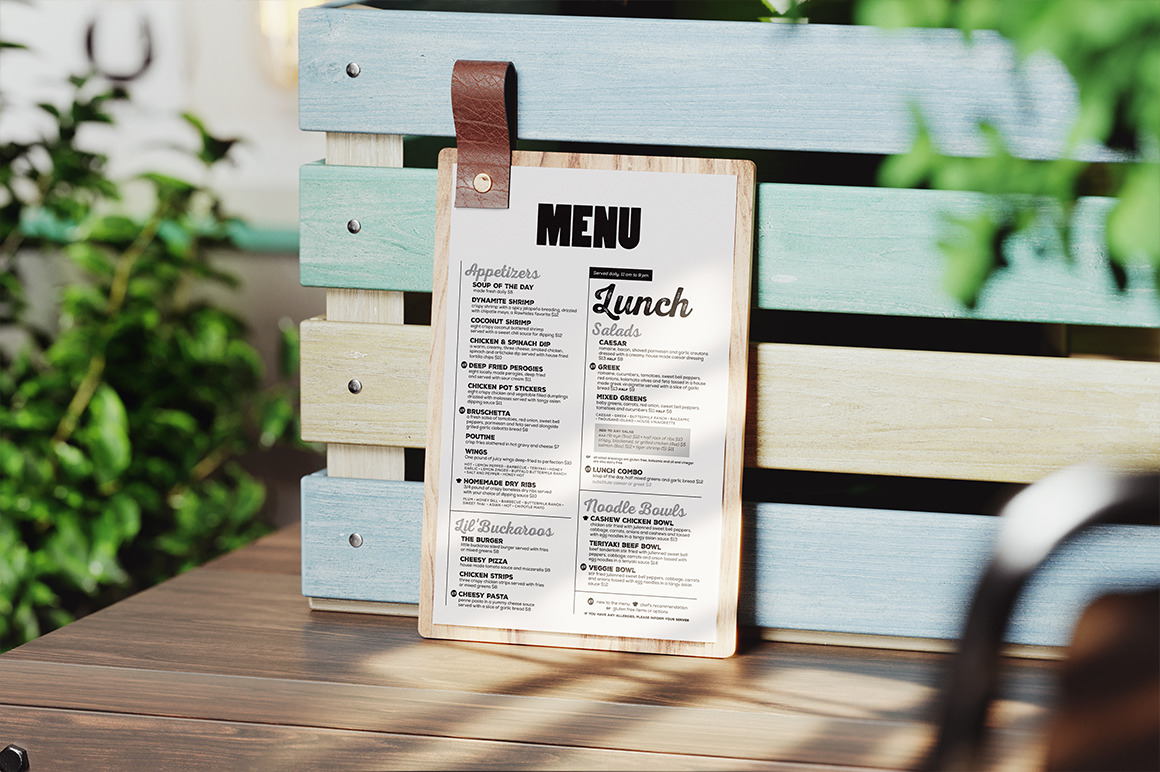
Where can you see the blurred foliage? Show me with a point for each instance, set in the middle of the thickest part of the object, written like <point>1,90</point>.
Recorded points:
<point>785,10</point>
<point>119,434</point>
<point>1112,51</point>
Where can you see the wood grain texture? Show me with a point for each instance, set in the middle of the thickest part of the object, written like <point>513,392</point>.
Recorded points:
<point>816,408</point>
<point>819,248</point>
<point>735,413</point>
<point>876,251</point>
<point>360,305</point>
<point>725,641</point>
<point>950,415</point>
<point>391,363</point>
<point>778,634</point>
<point>396,212</point>
<point>132,742</point>
<point>390,528</point>
<point>426,714</point>
<point>231,622</point>
<point>375,462</point>
<point>773,86</point>
<point>239,650</point>
<point>805,568</point>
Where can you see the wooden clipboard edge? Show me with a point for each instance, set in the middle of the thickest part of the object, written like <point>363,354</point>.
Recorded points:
<point>732,524</point>
<point>444,199</point>
<point>729,578</point>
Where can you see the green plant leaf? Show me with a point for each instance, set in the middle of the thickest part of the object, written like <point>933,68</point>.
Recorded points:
<point>40,594</point>
<point>124,516</point>
<point>213,149</point>
<point>177,238</point>
<point>1134,225</point>
<point>289,348</point>
<point>11,460</point>
<point>108,435</point>
<point>909,169</point>
<point>167,184</point>
<point>969,256</point>
<point>90,257</point>
<point>74,463</point>
<point>115,229</point>
<point>67,551</point>
<point>276,417</point>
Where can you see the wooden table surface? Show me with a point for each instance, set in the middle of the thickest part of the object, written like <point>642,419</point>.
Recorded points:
<point>226,668</point>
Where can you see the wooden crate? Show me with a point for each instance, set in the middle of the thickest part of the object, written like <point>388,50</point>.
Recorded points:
<point>839,395</point>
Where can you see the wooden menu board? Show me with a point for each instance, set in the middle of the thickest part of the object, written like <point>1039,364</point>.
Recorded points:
<point>587,406</point>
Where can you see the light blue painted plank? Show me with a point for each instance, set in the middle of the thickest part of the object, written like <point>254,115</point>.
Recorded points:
<point>693,83</point>
<point>875,251</point>
<point>912,574</point>
<point>1124,558</point>
<point>394,246</point>
<point>875,572</point>
<point>819,248</point>
<point>388,517</point>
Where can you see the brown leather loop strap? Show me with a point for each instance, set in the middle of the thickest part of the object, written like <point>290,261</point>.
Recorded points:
<point>483,103</point>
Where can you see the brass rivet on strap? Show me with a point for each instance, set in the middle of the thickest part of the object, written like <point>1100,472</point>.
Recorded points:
<point>482,182</point>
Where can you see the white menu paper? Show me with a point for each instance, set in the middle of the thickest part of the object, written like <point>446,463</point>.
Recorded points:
<point>585,387</point>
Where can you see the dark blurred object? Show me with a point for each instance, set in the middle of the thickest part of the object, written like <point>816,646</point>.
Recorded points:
<point>1113,670</point>
<point>1109,715</point>
<point>13,759</point>
<point>121,78</point>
